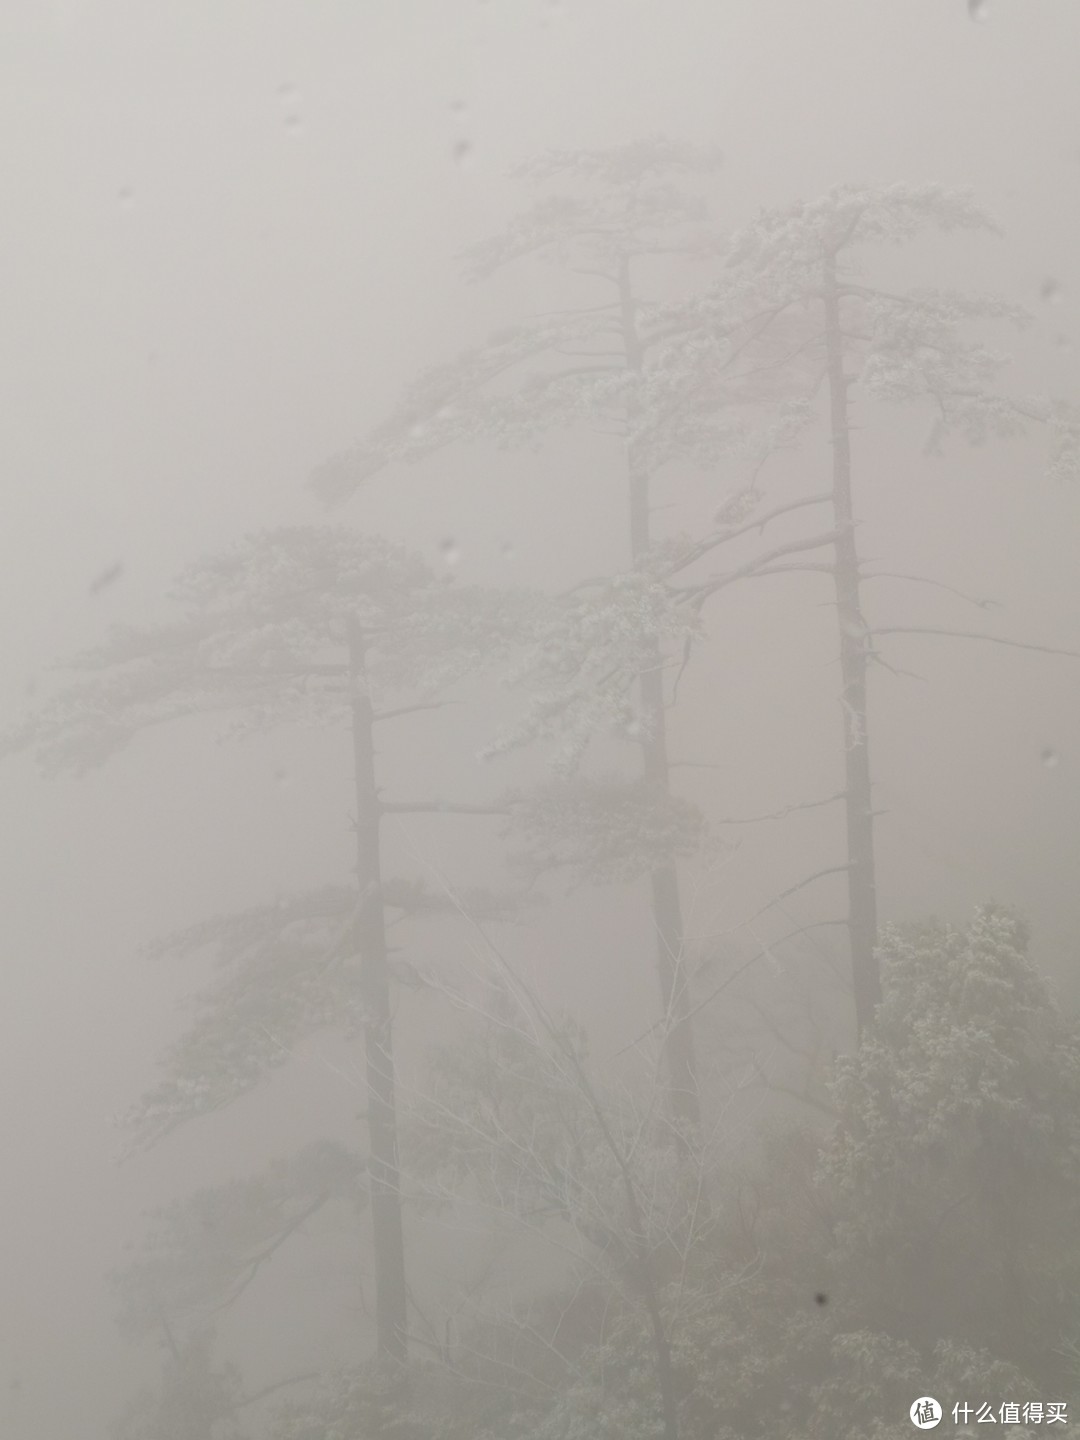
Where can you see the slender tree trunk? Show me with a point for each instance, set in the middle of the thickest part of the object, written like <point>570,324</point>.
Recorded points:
<point>391,1308</point>
<point>645,1281</point>
<point>854,660</point>
<point>665,1368</point>
<point>641,1268</point>
<point>666,901</point>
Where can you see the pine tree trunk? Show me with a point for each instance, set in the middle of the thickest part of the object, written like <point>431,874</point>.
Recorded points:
<point>666,901</point>
<point>667,1381</point>
<point>391,1315</point>
<point>854,660</point>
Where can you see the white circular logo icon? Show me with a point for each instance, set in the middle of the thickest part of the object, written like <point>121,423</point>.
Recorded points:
<point>925,1413</point>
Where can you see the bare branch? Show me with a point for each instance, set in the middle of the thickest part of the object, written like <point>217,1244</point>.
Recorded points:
<point>269,1250</point>
<point>411,709</point>
<point>937,584</point>
<point>802,567</point>
<point>784,812</point>
<point>794,889</point>
<point>730,979</point>
<point>758,523</point>
<point>698,594</point>
<point>974,635</point>
<point>439,807</point>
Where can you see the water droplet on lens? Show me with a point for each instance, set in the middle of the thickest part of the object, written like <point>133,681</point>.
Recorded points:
<point>979,9</point>
<point>463,153</point>
<point>106,578</point>
<point>450,552</point>
<point>125,195</point>
<point>1050,290</point>
<point>1050,758</point>
<point>289,96</point>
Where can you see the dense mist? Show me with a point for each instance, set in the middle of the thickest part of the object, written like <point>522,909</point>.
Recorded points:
<point>539,720</point>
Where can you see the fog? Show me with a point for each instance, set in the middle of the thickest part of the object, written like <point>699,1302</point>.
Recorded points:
<point>235,236</point>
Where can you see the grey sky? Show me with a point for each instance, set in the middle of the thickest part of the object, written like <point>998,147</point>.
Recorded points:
<point>229,238</point>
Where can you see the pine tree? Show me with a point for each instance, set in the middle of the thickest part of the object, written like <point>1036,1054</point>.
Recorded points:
<point>313,625</point>
<point>658,384</point>
<point>797,268</point>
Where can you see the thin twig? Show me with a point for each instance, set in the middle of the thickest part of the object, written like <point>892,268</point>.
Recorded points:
<point>974,635</point>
